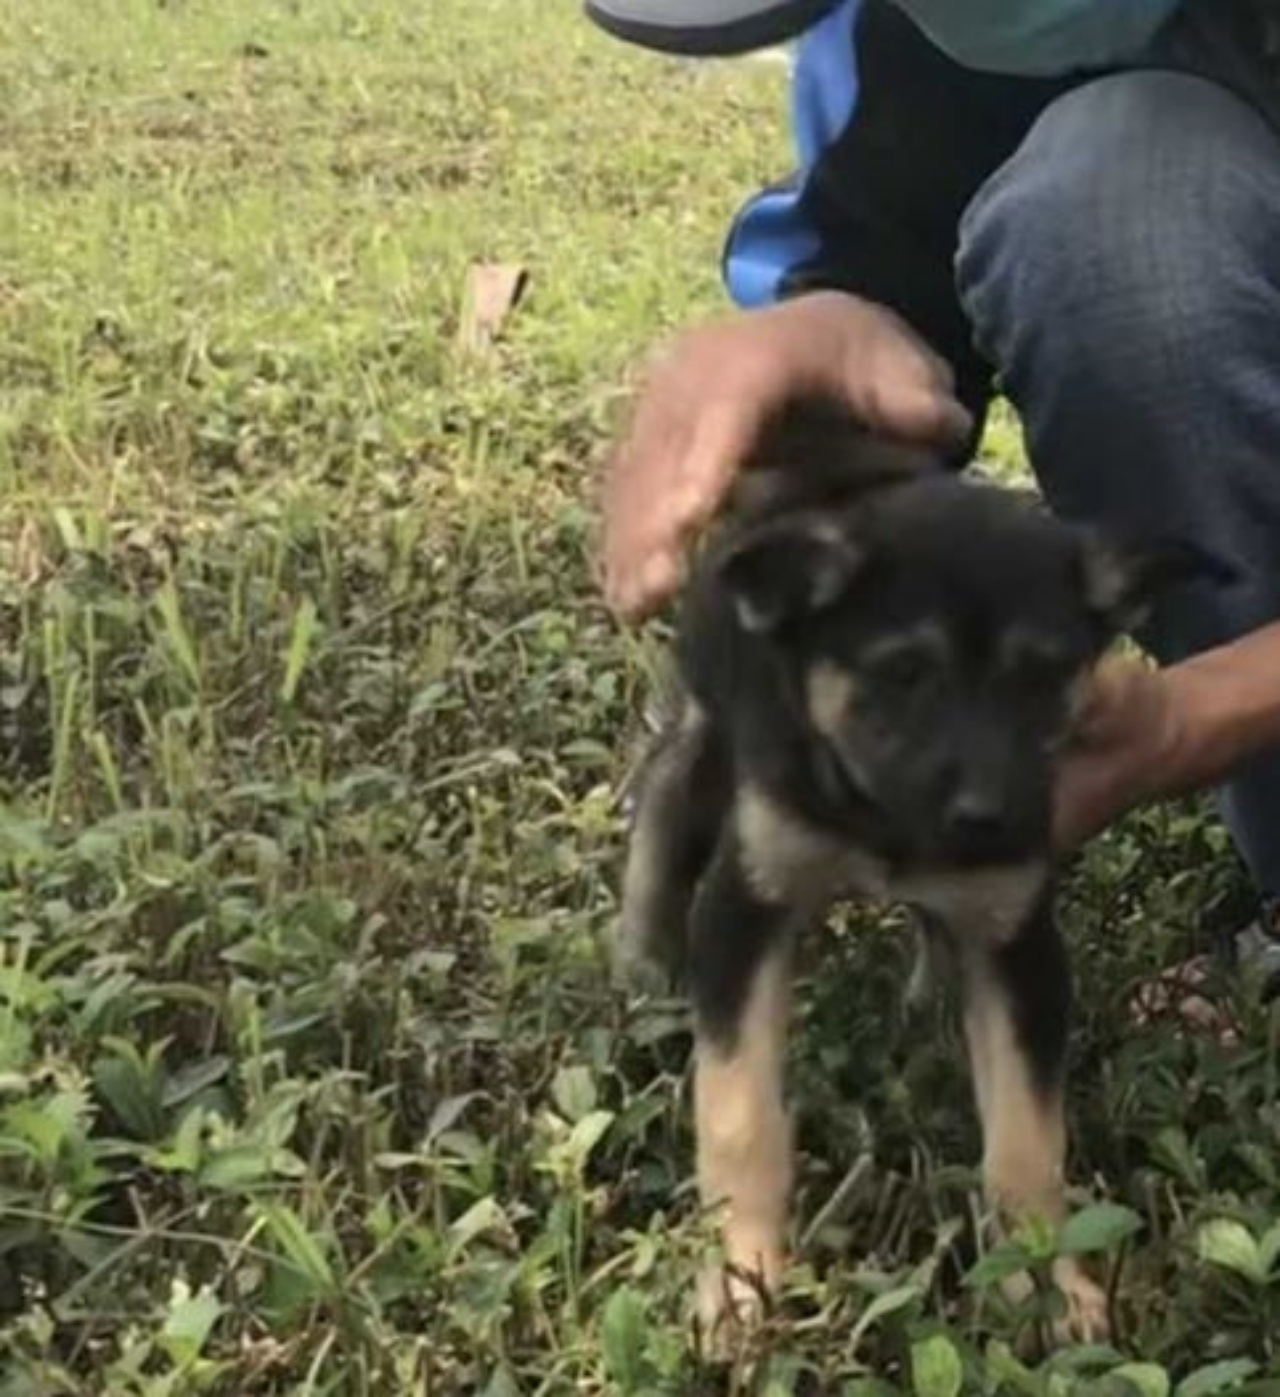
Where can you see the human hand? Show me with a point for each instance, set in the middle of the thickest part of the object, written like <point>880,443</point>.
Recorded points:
<point>1124,749</point>
<point>713,395</point>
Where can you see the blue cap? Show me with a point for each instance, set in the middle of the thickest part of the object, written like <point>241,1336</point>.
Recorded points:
<point>706,28</point>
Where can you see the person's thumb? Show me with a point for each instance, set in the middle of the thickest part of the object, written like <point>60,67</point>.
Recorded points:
<point>929,416</point>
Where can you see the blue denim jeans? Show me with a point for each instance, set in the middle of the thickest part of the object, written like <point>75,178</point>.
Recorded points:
<point>1122,271</point>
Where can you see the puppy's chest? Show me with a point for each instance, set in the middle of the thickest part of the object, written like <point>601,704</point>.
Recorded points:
<point>787,859</point>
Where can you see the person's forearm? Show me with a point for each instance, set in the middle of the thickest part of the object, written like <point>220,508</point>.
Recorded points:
<point>1228,702</point>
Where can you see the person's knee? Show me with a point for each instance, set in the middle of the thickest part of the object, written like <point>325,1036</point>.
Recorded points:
<point>1122,273</point>
<point>1125,243</point>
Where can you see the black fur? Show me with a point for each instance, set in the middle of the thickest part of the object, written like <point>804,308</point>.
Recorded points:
<point>1034,972</point>
<point>721,967</point>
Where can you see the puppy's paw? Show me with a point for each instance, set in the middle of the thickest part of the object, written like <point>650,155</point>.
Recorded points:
<point>732,1305</point>
<point>1087,1320</point>
<point>643,963</point>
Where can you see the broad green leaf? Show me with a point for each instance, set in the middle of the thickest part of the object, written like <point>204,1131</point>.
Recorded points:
<point>1148,1379</point>
<point>484,1216</point>
<point>1229,1244</point>
<point>995,1266</point>
<point>1216,1377</point>
<point>132,1094</point>
<point>502,1384</point>
<point>1172,1149</point>
<point>1259,1159</point>
<point>1085,1358</point>
<point>585,1136</point>
<point>188,1081</point>
<point>574,1092</point>
<point>189,1323</point>
<point>236,1168</point>
<point>48,1123</point>
<point>623,1327</point>
<point>183,1154</point>
<point>886,1304</point>
<point>447,1114</point>
<point>1037,1237</point>
<point>936,1370</point>
<point>16,1040</point>
<point>1005,1369</point>
<point>1100,1227</point>
<point>1269,1248</point>
<point>299,1246</point>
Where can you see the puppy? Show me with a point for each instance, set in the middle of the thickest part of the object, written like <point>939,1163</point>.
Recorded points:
<point>877,665</point>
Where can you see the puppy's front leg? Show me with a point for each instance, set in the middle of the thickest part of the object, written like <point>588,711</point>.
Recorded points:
<point>680,806</point>
<point>1017,1013</point>
<point>739,978</point>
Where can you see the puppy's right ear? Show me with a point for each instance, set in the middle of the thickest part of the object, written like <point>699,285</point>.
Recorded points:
<point>1123,580</point>
<point>788,568</point>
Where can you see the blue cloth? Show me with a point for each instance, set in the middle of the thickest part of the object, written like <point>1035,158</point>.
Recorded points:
<point>892,138</point>
<point>773,233</point>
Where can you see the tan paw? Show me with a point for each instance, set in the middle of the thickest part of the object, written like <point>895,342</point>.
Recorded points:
<point>1087,1320</point>
<point>731,1306</point>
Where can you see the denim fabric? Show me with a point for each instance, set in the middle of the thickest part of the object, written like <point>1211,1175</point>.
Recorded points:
<point>1122,271</point>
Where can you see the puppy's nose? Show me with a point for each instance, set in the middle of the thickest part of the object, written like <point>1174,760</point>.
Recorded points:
<point>976,820</point>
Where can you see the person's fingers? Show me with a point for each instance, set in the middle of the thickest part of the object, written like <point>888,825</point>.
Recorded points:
<point>1117,749</point>
<point>695,426</point>
<point>921,415</point>
<point>723,437</point>
<point>896,384</point>
<point>707,399</point>
<point>635,594</point>
<point>637,487</point>
<point>1085,802</point>
<point>664,505</point>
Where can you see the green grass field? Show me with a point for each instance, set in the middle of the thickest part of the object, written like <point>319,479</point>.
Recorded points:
<point>312,1079</point>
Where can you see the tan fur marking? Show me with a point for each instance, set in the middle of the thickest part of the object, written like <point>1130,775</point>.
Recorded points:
<point>744,1144</point>
<point>1024,1137</point>
<point>830,691</point>
<point>744,1140</point>
<point>786,858</point>
<point>986,906</point>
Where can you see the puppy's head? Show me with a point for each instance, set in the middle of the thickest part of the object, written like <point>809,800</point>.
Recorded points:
<point>933,641</point>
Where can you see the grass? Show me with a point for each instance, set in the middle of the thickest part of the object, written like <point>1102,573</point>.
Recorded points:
<point>311,1076</point>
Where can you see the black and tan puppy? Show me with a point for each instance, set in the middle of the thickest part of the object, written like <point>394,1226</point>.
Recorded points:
<point>877,666</point>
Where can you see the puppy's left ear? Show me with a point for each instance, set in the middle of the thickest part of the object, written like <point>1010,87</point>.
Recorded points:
<point>1123,581</point>
<point>789,567</point>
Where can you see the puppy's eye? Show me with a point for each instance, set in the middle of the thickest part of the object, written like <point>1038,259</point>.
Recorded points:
<point>907,662</point>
